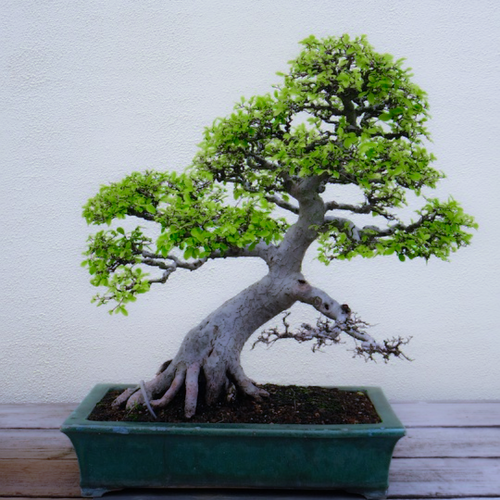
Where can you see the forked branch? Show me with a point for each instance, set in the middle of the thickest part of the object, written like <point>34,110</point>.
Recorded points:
<point>388,348</point>
<point>326,332</point>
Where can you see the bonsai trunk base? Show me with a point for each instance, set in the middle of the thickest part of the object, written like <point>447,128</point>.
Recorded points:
<point>117,455</point>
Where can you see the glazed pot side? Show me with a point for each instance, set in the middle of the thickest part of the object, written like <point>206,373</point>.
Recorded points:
<point>116,455</point>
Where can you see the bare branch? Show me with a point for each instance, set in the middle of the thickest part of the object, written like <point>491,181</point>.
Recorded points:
<point>345,320</point>
<point>164,276</point>
<point>370,231</point>
<point>388,348</point>
<point>158,260</point>
<point>261,249</point>
<point>282,203</point>
<point>326,333</point>
<point>366,208</point>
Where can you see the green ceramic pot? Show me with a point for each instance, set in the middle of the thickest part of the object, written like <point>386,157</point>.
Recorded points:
<point>116,455</point>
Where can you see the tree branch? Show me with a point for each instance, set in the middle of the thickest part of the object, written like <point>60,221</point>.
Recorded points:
<point>349,110</point>
<point>324,108</point>
<point>325,332</point>
<point>318,142</point>
<point>157,260</point>
<point>366,208</point>
<point>371,111</point>
<point>141,215</point>
<point>321,301</point>
<point>357,233</point>
<point>265,164</point>
<point>282,203</point>
<point>345,224</point>
<point>388,348</point>
<point>345,320</point>
<point>399,227</point>
<point>262,250</point>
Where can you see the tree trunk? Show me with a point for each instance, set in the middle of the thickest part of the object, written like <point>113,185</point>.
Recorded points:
<point>214,346</point>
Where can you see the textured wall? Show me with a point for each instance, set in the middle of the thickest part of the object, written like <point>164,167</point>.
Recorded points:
<point>92,90</point>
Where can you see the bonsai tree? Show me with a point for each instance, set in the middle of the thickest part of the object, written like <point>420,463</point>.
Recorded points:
<point>265,184</point>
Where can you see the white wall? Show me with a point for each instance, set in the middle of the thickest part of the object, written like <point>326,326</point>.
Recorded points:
<point>91,90</point>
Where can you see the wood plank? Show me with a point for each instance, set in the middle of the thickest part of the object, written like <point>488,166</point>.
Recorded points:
<point>35,444</point>
<point>453,414</point>
<point>425,477</point>
<point>141,495</point>
<point>43,478</point>
<point>144,494</point>
<point>437,477</point>
<point>34,416</point>
<point>462,442</point>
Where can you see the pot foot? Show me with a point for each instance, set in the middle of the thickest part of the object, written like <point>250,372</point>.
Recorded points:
<point>375,495</point>
<point>369,494</point>
<point>94,492</point>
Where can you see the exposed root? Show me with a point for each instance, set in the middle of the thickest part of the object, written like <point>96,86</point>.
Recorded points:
<point>124,396</point>
<point>247,385</point>
<point>192,376</point>
<point>225,381</point>
<point>172,390</point>
<point>154,387</point>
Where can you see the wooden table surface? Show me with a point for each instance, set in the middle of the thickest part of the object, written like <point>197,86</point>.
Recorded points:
<point>452,450</point>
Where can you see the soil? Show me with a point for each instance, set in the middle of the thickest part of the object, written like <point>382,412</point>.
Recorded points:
<point>285,405</point>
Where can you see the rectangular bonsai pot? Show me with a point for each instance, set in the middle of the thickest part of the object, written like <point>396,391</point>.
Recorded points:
<point>117,455</point>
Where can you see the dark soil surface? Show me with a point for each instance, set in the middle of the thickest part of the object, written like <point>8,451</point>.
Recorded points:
<point>285,405</point>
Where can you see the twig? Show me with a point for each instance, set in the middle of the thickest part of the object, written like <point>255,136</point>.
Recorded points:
<point>326,332</point>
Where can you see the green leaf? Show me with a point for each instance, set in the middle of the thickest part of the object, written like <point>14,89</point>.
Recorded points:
<point>350,140</point>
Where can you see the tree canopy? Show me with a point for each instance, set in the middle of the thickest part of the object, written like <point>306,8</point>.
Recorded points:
<point>343,115</point>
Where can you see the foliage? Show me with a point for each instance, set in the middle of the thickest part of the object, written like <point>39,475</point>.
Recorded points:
<point>343,115</point>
